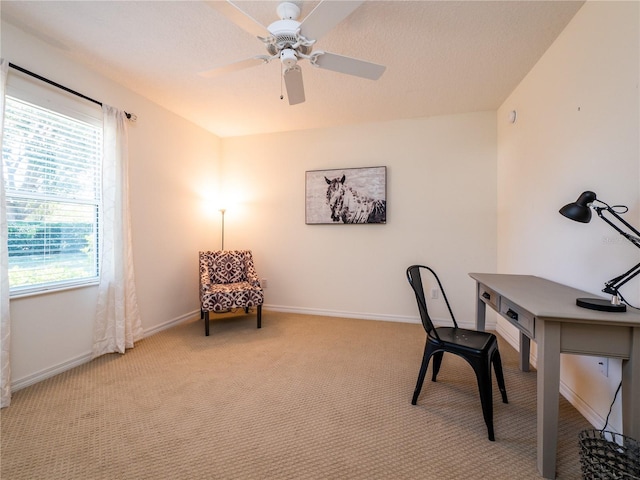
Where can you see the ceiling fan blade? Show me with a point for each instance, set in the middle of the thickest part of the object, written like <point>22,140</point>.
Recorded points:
<point>240,18</point>
<point>234,67</point>
<point>348,65</point>
<point>295,87</point>
<point>325,16</point>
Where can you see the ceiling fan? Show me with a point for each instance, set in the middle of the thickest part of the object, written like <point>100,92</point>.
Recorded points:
<point>289,41</point>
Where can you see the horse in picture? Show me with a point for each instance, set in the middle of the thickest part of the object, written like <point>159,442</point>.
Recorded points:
<point>350,206</point>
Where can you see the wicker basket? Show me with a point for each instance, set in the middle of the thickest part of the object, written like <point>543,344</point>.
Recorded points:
<point>608,456</point>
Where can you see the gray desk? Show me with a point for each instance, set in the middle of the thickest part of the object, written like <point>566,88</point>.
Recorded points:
<point>546,312</point>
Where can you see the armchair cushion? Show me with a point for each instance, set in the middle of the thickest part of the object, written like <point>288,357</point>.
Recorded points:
<point>224,296</point>
<point>228,267</point>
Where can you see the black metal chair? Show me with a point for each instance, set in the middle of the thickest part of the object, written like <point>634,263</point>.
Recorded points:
<point>479,349</point>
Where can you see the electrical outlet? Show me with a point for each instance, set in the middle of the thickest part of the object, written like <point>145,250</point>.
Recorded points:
<point>603,366</point>
<point>264,282</point>
<point>435,293</point>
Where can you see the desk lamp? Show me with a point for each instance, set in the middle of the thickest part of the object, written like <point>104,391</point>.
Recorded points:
<point>580,211</point>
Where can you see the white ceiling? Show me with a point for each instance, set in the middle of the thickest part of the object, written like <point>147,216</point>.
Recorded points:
<point>442,57</point>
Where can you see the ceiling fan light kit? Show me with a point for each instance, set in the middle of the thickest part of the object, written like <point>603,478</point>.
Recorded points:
<point>288,57</point>
<point>289,40</point>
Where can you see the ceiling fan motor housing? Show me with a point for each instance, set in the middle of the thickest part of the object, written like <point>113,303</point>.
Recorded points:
<point>286,34</point>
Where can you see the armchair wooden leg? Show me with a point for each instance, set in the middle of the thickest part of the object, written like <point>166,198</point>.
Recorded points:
<point>206,323</point>
<point>259,316</point>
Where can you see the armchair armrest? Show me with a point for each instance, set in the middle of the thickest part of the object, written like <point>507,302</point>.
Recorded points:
<point>252,275</point>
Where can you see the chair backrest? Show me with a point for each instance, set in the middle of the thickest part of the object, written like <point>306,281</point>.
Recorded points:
<point>227,266</point>
<point>415,280</point>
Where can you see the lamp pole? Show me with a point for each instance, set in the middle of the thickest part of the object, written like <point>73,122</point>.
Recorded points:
<point>222,210</point>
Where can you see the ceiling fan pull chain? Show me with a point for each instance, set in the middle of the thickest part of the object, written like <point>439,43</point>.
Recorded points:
<point>281,80</point>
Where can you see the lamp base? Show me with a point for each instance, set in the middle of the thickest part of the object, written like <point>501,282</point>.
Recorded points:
<point>600,304</point>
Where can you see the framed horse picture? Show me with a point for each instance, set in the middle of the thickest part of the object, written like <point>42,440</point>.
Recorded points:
<point>348,195</point>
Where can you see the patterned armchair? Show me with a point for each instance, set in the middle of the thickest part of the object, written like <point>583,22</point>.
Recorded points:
<point>228,279</point>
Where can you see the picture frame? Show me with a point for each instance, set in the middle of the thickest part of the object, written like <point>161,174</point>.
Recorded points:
<point>346,196</point>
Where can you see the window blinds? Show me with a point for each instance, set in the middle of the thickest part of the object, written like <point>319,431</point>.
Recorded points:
<point>52,185</point>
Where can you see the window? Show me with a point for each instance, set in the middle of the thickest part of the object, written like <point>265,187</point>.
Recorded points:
<point>52,165</point>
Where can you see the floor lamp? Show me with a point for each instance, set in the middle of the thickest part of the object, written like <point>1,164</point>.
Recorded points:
<point>222,210</point>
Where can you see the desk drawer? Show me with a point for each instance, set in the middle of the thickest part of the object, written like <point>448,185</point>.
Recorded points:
<point>518,317</point>
<point>488,296</point>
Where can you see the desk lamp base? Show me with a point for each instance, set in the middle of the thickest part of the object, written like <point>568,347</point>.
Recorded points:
<point>600,304</point>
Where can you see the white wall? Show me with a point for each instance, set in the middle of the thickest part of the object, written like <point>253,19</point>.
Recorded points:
<point>577,129</point>
<point>441,193</point>
<point>174,168</point>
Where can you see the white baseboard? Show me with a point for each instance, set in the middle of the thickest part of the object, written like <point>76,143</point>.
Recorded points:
<point>54,370</point>
<point>343,314</point>
<point>34,378</point>
<point>595,419</point>
<point>171,323</point>
<point>365,316</point>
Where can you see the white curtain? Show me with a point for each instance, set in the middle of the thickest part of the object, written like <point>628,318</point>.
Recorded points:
<point>5,321</point>
<point>117,323</point>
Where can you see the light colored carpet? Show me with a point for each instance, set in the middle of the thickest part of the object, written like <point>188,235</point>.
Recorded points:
<point>305,397</point>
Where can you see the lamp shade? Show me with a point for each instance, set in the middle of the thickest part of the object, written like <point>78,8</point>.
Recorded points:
<point>579,210</point>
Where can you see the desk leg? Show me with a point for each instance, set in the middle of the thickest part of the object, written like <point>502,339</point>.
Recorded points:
<point>631,389</point>
<point>525,350</point>
<point>548,339</point>
<point>481,310</point>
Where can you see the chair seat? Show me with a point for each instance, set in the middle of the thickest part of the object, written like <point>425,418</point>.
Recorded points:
<point>223,296</point>
<point>472,340</point>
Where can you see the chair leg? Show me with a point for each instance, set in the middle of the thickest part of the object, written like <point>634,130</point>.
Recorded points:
<point>483,374</point>
<point>437,361</point>
<point>259,316</point>
<point>422,373</point>
<point>497,366</point>
<point>206,323</point>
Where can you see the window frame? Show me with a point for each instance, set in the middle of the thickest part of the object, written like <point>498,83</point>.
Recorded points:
<point>27,89</point>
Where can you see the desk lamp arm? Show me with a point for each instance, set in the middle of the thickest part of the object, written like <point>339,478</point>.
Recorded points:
<point>612,286</point>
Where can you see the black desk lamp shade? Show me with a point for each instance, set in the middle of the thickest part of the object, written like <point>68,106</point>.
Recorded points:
<point>580,211</point>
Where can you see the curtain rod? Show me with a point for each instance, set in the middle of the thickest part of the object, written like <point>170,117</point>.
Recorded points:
<point>62,87</point>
